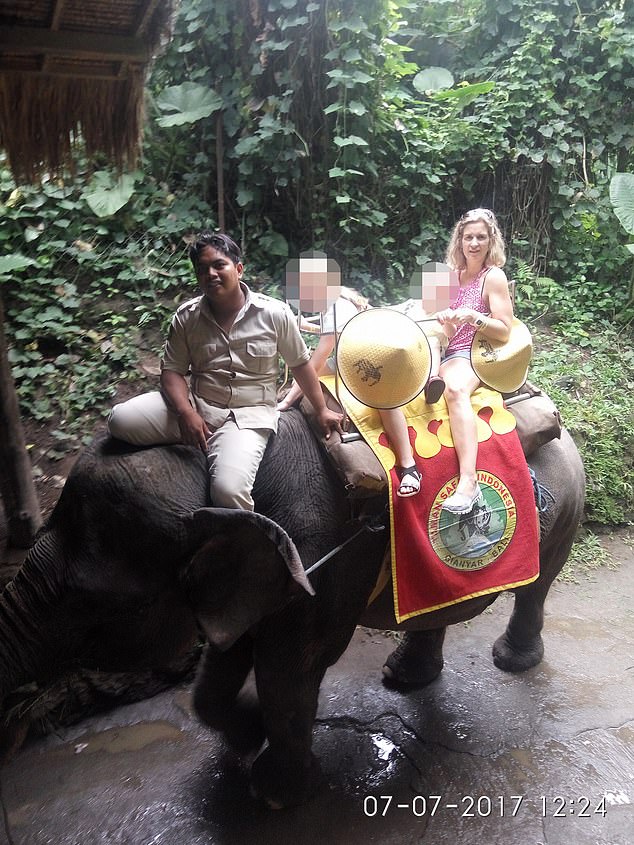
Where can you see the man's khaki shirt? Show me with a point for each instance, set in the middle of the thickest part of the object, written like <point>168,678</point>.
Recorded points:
<point>235,373</point>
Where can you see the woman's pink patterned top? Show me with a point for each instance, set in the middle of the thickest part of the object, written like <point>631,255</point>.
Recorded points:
<point>469,297</point>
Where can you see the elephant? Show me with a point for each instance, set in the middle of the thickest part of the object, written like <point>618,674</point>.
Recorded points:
<point>134,562</point>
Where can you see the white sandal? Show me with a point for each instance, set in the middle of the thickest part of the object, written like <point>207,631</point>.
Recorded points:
<point>461,503</point>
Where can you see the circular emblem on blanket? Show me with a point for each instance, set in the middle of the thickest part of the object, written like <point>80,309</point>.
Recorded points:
<point>476,539</point>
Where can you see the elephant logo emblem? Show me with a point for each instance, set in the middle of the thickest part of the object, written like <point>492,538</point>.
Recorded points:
<point>489,354</point>
<point>473,540</point>
<point>368,371</point>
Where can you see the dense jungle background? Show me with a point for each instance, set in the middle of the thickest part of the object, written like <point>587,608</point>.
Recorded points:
<point>363,128</point>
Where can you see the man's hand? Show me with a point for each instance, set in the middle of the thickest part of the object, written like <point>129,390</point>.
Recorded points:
<point>194,430</point>
<point>307,379</point>
<point>330,421</point>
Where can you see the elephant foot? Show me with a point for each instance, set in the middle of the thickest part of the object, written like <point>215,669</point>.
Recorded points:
<point>510,658</point>
<point>409,666</point>
<point>281,783</point>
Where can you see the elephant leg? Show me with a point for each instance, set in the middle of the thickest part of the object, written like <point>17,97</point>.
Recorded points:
<point>286,772</point>
<point>290,663</point>
<point>218,700</point>
<point>521,646</point>
<point>417,661</point>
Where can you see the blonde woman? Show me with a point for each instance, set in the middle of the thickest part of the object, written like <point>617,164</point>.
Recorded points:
<point>476,251</point>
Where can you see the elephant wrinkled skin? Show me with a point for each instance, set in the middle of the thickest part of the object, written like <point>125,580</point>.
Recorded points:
<point>133,560</point>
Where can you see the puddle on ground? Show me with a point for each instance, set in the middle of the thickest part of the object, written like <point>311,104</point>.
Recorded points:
<point>384,746</point>
<point>127,738</point>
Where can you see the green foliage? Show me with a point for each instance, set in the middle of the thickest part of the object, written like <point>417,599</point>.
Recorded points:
<point>588,371</point>
<point>586,557</point>
<point>83,292</point>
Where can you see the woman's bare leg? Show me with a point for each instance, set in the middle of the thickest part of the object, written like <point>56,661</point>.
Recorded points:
<point>461,381</point>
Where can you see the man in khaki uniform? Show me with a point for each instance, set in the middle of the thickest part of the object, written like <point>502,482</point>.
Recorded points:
<point>228,340</point>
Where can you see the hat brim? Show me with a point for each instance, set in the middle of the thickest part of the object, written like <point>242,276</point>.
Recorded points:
<point>503,366</point>
<point>383,358</point>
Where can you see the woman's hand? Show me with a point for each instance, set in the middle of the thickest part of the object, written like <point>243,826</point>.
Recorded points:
<point>458,317</point>
<point>468,316</point>
<point>446,316</point>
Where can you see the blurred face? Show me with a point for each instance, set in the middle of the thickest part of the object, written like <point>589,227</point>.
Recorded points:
<point>475,241</point>
<point>435,285</point>
<point>313,284</point>
<point>218,277</point>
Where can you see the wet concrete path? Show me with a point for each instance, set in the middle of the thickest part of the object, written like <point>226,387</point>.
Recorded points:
<point>544,758</point>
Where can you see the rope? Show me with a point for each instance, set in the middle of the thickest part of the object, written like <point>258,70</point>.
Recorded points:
<point>543,497</point>
<point>374,526</point>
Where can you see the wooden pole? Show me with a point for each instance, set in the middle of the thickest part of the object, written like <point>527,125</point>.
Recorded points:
<point>21,506</point>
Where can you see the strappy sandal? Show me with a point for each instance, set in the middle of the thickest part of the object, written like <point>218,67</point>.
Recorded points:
<point>413,486</point>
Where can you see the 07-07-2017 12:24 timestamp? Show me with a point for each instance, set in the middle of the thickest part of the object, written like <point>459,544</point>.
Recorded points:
<point>484,806</point>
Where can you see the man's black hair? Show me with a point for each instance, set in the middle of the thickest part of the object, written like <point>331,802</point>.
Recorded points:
<point>218,240</point>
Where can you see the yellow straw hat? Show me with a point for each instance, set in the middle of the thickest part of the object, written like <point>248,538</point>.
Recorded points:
<point>503,366</point>
<point>383,358</point>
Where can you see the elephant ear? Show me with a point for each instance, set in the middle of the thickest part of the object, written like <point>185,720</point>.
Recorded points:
<point>244,566</point>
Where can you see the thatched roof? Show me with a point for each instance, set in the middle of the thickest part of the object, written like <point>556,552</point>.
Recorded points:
<point>75,69</point>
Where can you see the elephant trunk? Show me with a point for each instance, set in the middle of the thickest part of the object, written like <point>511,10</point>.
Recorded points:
<point>32,634</point>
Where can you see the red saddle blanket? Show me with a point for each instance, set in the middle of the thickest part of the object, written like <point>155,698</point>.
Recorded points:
<point>440,558</point>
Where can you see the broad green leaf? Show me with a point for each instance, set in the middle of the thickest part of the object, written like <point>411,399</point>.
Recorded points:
<point>247,145</point>
<point>334,172</point>
<point>275,243</point>
<point>15,261</point>
<point>32,233</point>
<point>190,102</point>
<point>463,95</point>
<point>244,196</point>
<point>433,79</point>
<point>622,199</point>
<point>105,196</point>
<point>630,247</point>
<point>359,76</point>
<point>356,108</point>
<point>351,139</point>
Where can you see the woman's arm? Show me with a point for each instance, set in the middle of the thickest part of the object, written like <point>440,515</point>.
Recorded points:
<point>496,294</point>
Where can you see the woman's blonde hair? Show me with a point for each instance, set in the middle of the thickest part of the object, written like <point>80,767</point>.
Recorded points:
<point>496,256</point>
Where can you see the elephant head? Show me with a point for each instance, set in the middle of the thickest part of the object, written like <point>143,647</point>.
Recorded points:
<point>121,575</point>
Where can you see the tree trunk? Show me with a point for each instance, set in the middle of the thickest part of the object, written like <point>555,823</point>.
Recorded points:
<point>220,177</point>
<point>16,480</point>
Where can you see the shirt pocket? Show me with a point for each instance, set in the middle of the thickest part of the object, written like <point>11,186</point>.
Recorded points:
<point>204,356</point>
<point>261,356</point>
